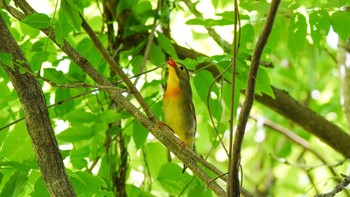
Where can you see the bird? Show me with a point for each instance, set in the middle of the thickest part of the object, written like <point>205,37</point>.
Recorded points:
<point>178,108</point>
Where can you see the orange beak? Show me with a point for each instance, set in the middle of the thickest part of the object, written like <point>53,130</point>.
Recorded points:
<point>171,62</point>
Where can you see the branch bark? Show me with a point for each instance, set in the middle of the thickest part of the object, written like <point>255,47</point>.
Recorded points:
<point>164,135</point>
<point>37,118</point>
<point>308,119</point>
<point>233,178</point>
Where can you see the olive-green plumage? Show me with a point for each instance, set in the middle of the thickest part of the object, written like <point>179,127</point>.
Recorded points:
<point>177,104</point>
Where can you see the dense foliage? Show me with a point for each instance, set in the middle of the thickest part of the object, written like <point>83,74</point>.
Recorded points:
<point>108,153</point>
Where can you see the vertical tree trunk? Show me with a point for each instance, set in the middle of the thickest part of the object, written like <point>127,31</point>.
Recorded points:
<point>37,117</point>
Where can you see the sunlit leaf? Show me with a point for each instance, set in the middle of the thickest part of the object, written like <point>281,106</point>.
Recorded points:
<point>297,31</point>
<point>40,188</point>
<point>15,185</point>
<point>171,179</point>
<point>263,84</point>
<point>156,55</point>
<point>166,45</point>
<point>70,11</point>
<point>54,75</point>
<point>319,25</point>
<point>18,146</point>
<point>76,134</point>
<point>156,157</point>
<point>132,190</point>
<point>139,134</point>
<point>6,59</point>
<point>86,184</point>
<point>37,20</point>
<point>340,23</point>
<point>209,22</point>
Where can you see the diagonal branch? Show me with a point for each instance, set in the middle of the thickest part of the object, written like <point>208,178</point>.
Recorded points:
<point>233,177</point>
<point>164,134</point>
<point>338,188</point>
<point>312,122</point>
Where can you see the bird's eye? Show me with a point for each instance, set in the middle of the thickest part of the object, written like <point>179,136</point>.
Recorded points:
<point>181,67</point>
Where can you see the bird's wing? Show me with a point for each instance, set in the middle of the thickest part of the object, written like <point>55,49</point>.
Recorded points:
<point>193,111</point>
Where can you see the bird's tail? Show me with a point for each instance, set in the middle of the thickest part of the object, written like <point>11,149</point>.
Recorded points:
<point>184,169</point>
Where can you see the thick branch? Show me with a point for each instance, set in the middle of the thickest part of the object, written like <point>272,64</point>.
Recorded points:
<point>37,119</point>
<point>293,110</point>
<point>308,119</point>
<point>164,135</point>
<point>233,177</point>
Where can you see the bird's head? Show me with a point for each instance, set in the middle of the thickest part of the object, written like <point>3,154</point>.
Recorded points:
<point>177,71</point>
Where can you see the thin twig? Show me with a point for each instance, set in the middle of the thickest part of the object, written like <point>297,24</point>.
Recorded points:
<point>232,189</point>
<point>249,97</point>
<point>338,188</point>
<point>55,104</point>
<point>164,135</point>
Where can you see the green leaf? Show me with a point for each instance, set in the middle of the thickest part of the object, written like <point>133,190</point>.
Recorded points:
<point>87,184</point>
<point>108,116</point>
<point>69,10</point>
<point>40,188</point>
<point>156,55</point>
<point>202,82</point>
<point>166,45</point>
<point>62,30</point>
<point>22,167</point>
<point>75,134</point>
<point>64,107</point>
<point>30,31</point>
<point>132,190</point>
<point>340,23</point>
<point>37,46</point>
<point>37,60</point>
<point>297,32</point>
<point>6,59</point>
<point>17,146</point>
<point>139,134</point>
<point>172,180</point>
<point>125,5</point>
<point>319,24</point>
<point>155,161</point>
<point>209,22</point>
<point>247,35</point>
<point>114,130</point>
<point>37,20</point>
<point>54,75</point>
<point>263,84</point>
<point>15,185</point>
<point>78,156</point>
<point>80,116</point>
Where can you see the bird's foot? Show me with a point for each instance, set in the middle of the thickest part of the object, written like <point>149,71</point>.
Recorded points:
<point>161,124</point>
<point>183,145</point>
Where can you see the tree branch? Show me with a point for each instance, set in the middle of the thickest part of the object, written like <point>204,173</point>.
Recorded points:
<point>164,134</point>
<point>233,178</point>
<point>37,118</point>
<point>338,188</point>
<point>308,119</point>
